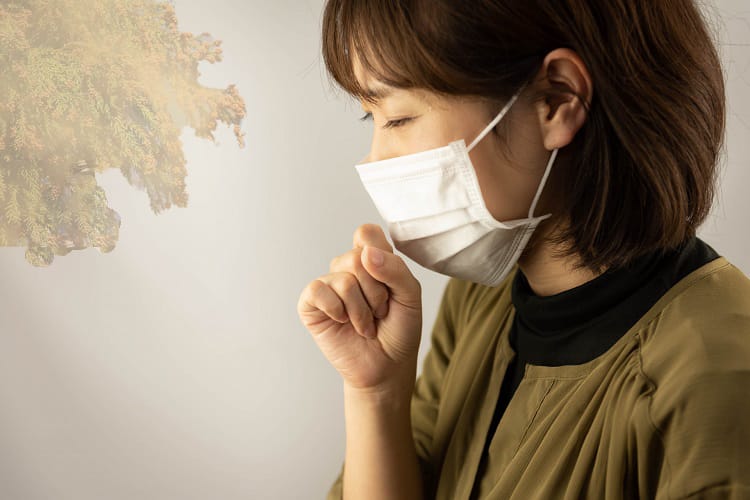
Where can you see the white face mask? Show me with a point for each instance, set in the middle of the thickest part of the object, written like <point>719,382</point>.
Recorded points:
<point>436,215</point>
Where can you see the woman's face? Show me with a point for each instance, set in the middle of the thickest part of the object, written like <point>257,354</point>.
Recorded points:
<point>508,177</point>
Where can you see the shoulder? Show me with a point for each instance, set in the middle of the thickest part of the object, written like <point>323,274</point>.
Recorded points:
<point>695,342</point>
<point>701,324</point>
<point>695,354</point>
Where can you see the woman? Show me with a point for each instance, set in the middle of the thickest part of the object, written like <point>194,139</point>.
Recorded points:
<point>587,345</point>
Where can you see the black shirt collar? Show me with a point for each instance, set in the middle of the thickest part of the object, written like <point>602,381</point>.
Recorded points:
<point>579,324</point>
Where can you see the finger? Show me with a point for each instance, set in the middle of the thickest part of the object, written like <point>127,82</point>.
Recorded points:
<point>371,235</point>
<point>347,287</point>
<point>375,292</point>
<point>393,272</point>
<point>319,296</point>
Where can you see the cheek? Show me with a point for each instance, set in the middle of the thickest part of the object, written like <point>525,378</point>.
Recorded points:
<point>427,133</point>
<point>507,190</point>
<point>421,134</point>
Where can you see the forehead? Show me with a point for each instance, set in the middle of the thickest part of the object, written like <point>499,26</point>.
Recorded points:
<point>374,88</point>
<point>383,93</point>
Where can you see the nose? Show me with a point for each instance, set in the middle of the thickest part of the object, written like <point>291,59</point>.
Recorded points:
<point>380,149</point>
<point>373,154</point>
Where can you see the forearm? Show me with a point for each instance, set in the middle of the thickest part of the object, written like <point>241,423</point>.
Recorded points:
<point>381,460</point>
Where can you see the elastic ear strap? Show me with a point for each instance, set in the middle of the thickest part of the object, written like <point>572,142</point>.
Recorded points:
<point>544,180</point>
<point>497,118</point>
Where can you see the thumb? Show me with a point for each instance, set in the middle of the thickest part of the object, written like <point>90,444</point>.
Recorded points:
<point>391,270</point>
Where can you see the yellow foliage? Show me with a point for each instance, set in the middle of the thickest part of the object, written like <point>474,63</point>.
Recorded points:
<point>89,86</point>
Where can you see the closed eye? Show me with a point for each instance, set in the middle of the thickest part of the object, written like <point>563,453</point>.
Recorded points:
<point>390,124</point>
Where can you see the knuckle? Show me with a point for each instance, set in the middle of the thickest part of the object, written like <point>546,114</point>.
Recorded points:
<point>366,232</point>
<point>361,315</point>
<point>353,259</point>
<point>315,287</point>
<point>371,229</point>
<point>334,263</point>
<point>348,261</point>
<point>362,231</point>
<point>349,283</point>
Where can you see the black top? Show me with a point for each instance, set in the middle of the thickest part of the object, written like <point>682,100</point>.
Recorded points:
<point>580,324</point>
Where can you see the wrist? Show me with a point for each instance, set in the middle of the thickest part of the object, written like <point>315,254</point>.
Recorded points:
<point>394,394</point>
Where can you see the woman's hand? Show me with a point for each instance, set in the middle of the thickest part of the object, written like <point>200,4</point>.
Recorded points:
<point>366,318</point>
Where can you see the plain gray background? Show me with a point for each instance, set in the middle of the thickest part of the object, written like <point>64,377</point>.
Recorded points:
<point>176,366</point>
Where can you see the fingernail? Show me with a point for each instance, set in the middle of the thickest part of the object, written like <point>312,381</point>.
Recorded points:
<point>380,311</point>
<point>375,255</point>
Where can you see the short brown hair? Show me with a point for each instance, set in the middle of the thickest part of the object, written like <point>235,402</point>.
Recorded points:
<point>640,174</point>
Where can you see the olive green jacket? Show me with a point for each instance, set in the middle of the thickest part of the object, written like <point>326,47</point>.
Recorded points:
<point>663,414</point>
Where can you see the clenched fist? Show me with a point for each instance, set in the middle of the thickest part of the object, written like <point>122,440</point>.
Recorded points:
<point>366,313</point>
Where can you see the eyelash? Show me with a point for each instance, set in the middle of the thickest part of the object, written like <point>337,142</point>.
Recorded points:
<point>390,124</point>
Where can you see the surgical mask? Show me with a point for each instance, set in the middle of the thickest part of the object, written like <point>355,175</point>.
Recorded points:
<point>435,213</point>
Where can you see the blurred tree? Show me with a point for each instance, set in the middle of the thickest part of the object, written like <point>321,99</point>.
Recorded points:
<point>92,85</point>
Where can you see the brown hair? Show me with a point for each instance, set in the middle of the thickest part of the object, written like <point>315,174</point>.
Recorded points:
<point>639,176</point>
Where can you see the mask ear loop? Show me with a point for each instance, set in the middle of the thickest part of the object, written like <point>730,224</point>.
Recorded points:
<point>497,118</point>
<point>493,123</point>
<point>543,181</point>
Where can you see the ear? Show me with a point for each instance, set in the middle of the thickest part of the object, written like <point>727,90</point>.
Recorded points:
<point>567,81</point>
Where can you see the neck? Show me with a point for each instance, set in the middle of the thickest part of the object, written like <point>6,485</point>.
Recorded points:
<point>549,274</point>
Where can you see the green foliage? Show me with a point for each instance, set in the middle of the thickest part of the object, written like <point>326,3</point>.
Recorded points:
<point>89,86</point>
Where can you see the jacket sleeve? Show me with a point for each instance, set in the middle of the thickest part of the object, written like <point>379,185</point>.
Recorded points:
<point>705,428</point>
<point>425,399</point>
